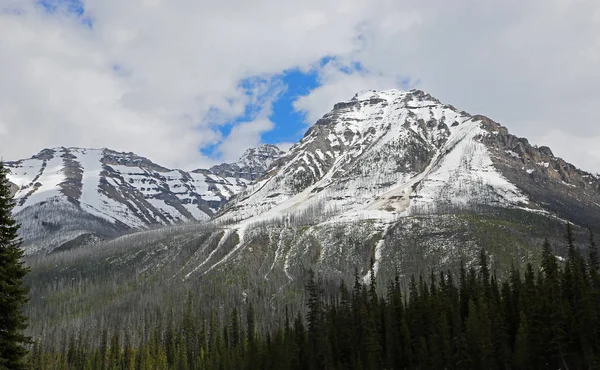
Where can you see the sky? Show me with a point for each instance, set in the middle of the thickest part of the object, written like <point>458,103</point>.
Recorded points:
<point>191,83</point>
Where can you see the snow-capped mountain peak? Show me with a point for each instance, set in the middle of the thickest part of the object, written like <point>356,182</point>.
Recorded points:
<point>379,156</point>
<point>251,165</point>
<point>388,95</point>
<point>112,192</point>
<point>261,156</point>
<point>386,154</point>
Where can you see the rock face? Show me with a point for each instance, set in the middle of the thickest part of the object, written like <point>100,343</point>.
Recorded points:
<point>549,182</point>
<point>106,193</point>
<point>251,165</point>
<point>387,154</point>
<point>12,188</point>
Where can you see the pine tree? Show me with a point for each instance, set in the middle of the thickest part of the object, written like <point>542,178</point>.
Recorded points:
<point>170,340</point>
<point>128,354</point>
<point>344,328</point>
<point>484,273</point>
<point>594,258</point>
<point>521,353</point>
<point>115,351</point>
<point>251,354</point>
<point>317,340</point>
<point>13,293</point>
<point>549,265</point>
<point>103,349</point>
<point>235,328</point>
<point>72,352</point>
<point>251,326</point>
<point>189,330</point>
<point>298,353</point>
<point>593,298</point>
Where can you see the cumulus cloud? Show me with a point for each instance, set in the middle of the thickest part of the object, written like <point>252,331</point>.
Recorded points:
<point>532,66</point>
<point>159,78</point>
<point>340,80</point>
<point>261,94</point>
<point>154,77</point>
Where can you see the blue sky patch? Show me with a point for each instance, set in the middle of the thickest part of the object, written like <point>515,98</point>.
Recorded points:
<point>281,90</point>
<point>73,7</point>
<point>289,123</point>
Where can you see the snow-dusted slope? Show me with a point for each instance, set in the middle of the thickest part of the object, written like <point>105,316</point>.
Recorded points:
<point>392,180</point>
<point>251,165</point>
<point>388,154</point>
<point>379,156</point>
<point>396,178</point>
<point>121,190</point>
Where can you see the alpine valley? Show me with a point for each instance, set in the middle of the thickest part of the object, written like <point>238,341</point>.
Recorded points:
<point>394,180</point>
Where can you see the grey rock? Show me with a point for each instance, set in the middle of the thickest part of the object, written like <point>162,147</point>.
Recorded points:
<point>12,188</point>
<point>252,164</point>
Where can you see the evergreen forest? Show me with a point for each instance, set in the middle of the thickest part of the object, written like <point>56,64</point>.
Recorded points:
<point>545,317</point>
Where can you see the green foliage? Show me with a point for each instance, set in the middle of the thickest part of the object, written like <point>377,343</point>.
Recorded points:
<point>236,239</point>
<point>13,293</point>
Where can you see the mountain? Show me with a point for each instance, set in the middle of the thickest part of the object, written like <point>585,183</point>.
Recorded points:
<point>390,180</point>
<point>251,165</point>
<point>75,195</point>
<point>385,154</point>
<point>379,156</point>
<point>403,181</point>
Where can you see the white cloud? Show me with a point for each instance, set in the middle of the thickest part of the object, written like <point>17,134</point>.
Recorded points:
<point>339,81</point>
<point>532,66</point>
<point>155,77</point>
<point>242,136</point>
<point>261,96</point>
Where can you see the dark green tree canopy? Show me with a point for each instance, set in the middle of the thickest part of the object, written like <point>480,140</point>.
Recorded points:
<point>13,294</point>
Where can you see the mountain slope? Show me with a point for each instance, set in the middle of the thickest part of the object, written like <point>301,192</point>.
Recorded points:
<point>64,193</point>
<point>392,180</point>
<point>385,154</point>
<point>378,156</point>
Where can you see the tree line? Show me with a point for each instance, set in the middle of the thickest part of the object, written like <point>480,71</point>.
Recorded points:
<point>546,318</point>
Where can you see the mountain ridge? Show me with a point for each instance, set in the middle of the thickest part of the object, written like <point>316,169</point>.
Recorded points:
<point>124,190</point>
<point>409,146</point>
<point>251,165</point>
<point>392,182</point>
<point>377,156</point>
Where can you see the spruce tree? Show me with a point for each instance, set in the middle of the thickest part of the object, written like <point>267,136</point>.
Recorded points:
<point>594,256</point>
<point>13,293</point>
